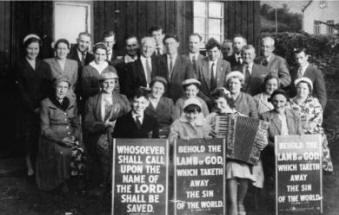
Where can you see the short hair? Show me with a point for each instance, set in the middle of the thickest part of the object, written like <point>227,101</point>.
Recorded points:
<point>191,108</point>
<point>269,77</point>
<point>171,36</point>
<point>85,33</point>
<point>211,43</point>
<point>60,79</point>
<point>160,80</point>
<point>140,92</point>
<point>99,46</point>
<point>155,28</point>
<point>279,92</point>
<point>109,34</point>
<point>227,41</point>
<point>310,87</point>
<point>62,40</point>
<point>269,39</point>
<point>220,93</point>
<point>248,47</point>
<point>32,40</point>
<point>144,39</point>
<point>130,37</point>
<point>241,36</point>
<point>301,49</point>
<point>196,35</point>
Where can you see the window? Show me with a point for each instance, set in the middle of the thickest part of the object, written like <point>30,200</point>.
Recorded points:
<point>209,19</point>
<point>330,26</point>
<point>316,27</point>
<point>71,18</point>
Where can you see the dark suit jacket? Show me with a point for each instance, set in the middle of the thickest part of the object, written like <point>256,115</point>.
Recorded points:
<point>182,70</point>
<point>317,78</point>
<point>231,59</point>
<point>127,128</point>
<point>204,76</point>
<point>73,54</point>
<point>198,62</point>
<point>253,84</point>
<point>164,112</point>
<point>135,76</point>
<point>277,66</point>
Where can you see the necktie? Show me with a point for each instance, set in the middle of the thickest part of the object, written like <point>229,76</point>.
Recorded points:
<point>300,73</point>
<point>213,79</point>
<point>83,57</point>
<point>148,70</point>
<point>247,72</point>
<point>158,51</point>
<point>194,62</point>
<point>170,68</point>
<point>138,121</point>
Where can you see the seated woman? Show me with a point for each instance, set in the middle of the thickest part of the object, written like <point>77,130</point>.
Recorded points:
<point>101,113</point>
<point>191,90</point>
<point>137,123</point>
<point>282,121</point>
<point>271,83</point>
<point>60,148</point>
<point>191,124</point>
<point>311,114</point>
<point>160,107</point>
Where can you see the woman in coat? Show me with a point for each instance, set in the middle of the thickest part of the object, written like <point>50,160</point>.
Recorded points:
<point>33,81</point>
<point>61,153</point>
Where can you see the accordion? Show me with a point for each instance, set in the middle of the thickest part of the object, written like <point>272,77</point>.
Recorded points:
<point>245,137</point>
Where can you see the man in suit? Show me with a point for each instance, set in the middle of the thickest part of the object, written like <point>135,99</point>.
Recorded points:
<point>157,33</point>
<point>109,41</point>
<point>80,52</point>
<point>274,63</point>
<point>310,71</point>
<point>174,67</point>
<point>236,58</point>
<point>254,73</point>
<point>212,71</point>
<point>227,48</point>
<point>140,72</point>
<point>137,124</point>
<point>194,50</point>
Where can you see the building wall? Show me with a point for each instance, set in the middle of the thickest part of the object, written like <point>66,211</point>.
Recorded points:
<point>314,12</point>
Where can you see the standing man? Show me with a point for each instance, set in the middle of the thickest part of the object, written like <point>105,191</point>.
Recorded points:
<point>274,63</point>
<point>236,58</point>
<point>212,72</point>
<point>109,41</point>
<point>80,52</point>
<point>141,71</point>
<point>157,33</point>
<point>227,48</point>
<point>174,67</point>
<point>254,73</point>
<point>194,51</point>
<point>310,71</point>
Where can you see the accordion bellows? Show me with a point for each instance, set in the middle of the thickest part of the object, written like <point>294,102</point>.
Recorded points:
<point>245,137</point>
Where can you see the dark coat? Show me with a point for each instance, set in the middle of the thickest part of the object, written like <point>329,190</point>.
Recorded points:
<point>231,59</point>
<point>164,112</point>
<point>73,54</point>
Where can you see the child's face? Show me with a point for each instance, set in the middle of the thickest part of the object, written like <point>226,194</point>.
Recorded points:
<point>191,91</point>
<point>139,104</point>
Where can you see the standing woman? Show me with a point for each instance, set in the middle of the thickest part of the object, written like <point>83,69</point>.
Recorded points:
<point>311,114</point>
<point>91,74</point>
<point>32,79</point>
<point>63,67</point>
<point>60,148</point>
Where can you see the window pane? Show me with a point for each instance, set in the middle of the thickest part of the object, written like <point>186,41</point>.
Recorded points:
<point>214,26</point>
<point>199,25</point>
<point>199,9</point>
<point>215,36</point>
<point>215,9</point>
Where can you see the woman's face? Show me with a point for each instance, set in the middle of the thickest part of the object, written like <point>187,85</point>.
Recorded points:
<point>191,91</point>
<point>100,55</point>
<point>302,90</point>
<point>271,85</point>
<point>157,90</point>
<point>32,50</point>
<point>108,85</point>
<point>279,102</point>
<point>62,51</point>
<point>191,116</point>
<point>234,85</point>
<point>222,105</point>
<point>61,89</point>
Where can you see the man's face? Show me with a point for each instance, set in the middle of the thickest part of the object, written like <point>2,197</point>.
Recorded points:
<point>148,48</point>
<point>109,42</point>
<point>267,48</point>
<point>158,36</point>
<point>132,46</point>
<point>139,104</point>
<point>171,45</point>
<point>213,54</point>
<point>227,48</point>
<point>238,43</point>
<point>248,55</point>
<point>301,58</point>
<point>84,42</point>
<point>194,44</point>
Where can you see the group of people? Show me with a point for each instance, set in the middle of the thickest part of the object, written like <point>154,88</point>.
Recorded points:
<point>75,103</point>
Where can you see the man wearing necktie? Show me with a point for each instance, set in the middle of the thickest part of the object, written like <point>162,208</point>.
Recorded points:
<point>194,55</point>
<point>212,71</point>
<point>306,69</point>
<point>274,63</point>
<point>158,34</point>
<point>109,41</point>
<point>236,59</point>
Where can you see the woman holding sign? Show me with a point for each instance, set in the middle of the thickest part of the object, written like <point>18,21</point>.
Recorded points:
<point>311,114</point>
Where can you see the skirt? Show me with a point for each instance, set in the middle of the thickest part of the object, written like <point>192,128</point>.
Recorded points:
<point>238,170</point>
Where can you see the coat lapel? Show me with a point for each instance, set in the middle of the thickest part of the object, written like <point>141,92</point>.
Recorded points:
<point>98,107</point>
<point>206,73</point>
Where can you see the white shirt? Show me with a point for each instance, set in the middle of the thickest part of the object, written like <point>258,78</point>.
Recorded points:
<point>144,62</point>
<point>139,117</point>
<point>106,99</point>
<point>214,66</point>
<point>99,67</point>
<point>169,62</point>
<point>250,67</point>
<point>302,69</point>
<point>238,56</point>
<point>31,62</point>
<point>130,59</point>
<point>196,55</point>
<point>80,55</point>
<point>284,128</point>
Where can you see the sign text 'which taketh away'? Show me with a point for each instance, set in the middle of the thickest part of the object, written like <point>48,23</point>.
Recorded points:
<point>199,177</point>
<point>298,175</point>
<point>140,176</point>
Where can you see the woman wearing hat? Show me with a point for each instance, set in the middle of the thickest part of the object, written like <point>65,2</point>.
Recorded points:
<point>90,77</point>
<point>191,90</point>
<point>161,107</point>
<point>101,113</point>
<point>33,79</point>
<point>311,114</point>
<point>191,124</point>
<point>61,66</point>
<point>60,148</point>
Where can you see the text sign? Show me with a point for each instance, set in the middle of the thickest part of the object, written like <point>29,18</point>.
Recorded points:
<point>199,177</point>
<point>298,174</point>
<point>140,177</point>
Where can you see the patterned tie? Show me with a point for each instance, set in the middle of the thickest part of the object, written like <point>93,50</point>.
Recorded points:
<point>148,70</point>
<point>213,79</point>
